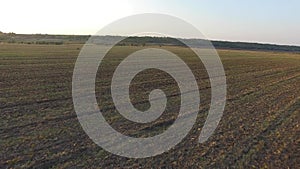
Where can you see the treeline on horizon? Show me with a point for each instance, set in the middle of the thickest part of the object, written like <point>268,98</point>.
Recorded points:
<point>138,41</point>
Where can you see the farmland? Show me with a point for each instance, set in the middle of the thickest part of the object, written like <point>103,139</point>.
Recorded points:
<point>39,127</point>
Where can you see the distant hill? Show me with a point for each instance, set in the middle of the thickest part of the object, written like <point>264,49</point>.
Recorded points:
<point>137,41</point>
<point>254,46</point>
<point>42,38</point>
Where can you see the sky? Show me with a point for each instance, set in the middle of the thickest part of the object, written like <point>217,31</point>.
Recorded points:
<point>264,21</point>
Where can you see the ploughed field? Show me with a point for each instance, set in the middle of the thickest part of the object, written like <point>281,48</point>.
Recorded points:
<point>39,127</point>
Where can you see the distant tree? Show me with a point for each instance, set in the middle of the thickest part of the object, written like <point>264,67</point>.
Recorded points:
<point>59,43</point>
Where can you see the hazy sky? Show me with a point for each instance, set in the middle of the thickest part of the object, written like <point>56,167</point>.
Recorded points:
<point>271,21</point>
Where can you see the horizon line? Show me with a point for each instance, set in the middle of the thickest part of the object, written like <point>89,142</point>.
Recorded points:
<point>220,40</point>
